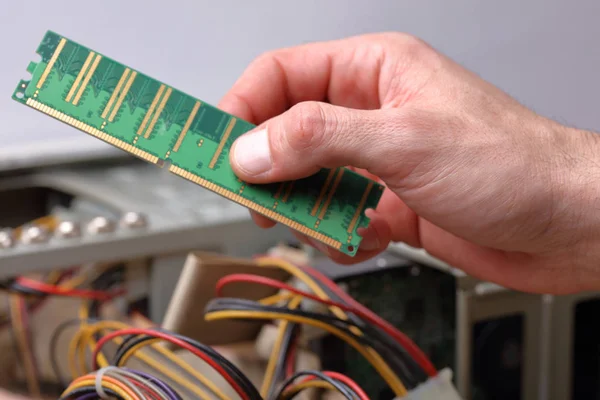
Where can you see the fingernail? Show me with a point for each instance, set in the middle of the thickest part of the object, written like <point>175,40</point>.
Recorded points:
<point>370,241</point>
<point>252,152</point>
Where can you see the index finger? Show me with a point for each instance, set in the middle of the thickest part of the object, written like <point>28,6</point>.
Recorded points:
<point>276,80</point>
<point>343,72</point>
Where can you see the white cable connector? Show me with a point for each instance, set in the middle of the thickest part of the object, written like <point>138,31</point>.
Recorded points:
<point>439,387</point>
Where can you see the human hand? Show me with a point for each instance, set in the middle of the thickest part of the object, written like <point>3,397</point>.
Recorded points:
<point>472,176</point>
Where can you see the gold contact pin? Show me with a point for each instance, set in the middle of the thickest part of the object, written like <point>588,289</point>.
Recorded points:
<point>187,126</point>
<point>115,93</point>
<point>279,190</point>
<point>315,208</point>
<point>256,207</point>
<point>122,96</point>
<point>336,183</point>
<point>87,78</point>
<point>151,109</point>
<point>79,77</point>
<point>59,48</point>
<point>288,192</point>
<point>92,131</point>
<point>359,209</point>
<point>224,139</point>
<point>159,111</point>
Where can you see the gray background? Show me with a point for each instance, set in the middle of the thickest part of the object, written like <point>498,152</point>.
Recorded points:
<point>544,52</point>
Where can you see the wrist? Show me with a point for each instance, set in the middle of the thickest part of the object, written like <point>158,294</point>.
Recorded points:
<point>577,195</point>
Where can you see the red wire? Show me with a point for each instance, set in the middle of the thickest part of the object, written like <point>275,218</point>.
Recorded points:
<point>151,392</point>
<point>290,362</point>
<point>37,304</point>
<point>161,335</point>
<point>355,308</point>
<point>57,290</point>
<point>408,344</point>
<point>344,379</point>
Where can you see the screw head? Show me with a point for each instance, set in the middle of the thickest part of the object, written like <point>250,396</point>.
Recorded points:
<point>68,229</point>
<point>134,220</point>
<point>35,234</point>
<point>100,225</point>
<point>7,238</point>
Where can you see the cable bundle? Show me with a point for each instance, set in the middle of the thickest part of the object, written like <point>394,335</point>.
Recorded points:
<point>123,383</point>
<point>137,338</point>
<point>26,296</point>
<point>401,364</point>
<point>323,380</point>
<point>396,358</point>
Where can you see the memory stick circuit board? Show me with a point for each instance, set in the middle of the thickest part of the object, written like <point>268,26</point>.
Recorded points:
<point>167,127</point>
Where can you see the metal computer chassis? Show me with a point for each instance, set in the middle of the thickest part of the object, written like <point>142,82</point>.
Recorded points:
<point>179,217</point>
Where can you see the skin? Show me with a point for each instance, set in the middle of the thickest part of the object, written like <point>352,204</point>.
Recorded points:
<point>472,176</point>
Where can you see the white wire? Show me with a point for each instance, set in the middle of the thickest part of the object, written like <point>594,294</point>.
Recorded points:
<point>98,384</point>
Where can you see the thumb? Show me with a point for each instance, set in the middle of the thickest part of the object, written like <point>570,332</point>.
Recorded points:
<point>311,136</point>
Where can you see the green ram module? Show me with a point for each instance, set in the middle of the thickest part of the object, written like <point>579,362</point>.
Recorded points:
<point>167,127</point>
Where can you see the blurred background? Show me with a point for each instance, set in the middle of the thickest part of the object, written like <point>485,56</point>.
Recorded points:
<point>540,51</point>
<point>143,225</point>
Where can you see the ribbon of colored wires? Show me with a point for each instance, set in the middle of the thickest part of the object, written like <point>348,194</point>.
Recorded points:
<point>85,335</point>
<point>333,380</point>
<point>406,342</point>
<point>130,346</point>
<point>408,365</point>
<point>205,353</point>
<point>65,291</point>
<point>315,275</point>
<point>135,384</point>
<point>244,309</point>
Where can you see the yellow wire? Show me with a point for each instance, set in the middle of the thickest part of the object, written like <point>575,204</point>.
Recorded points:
<point>86,336</point>
<point>92,382</point>
<point>292,391</point>
<point>74,281</point>
<point>373,357</point>
<point>152,342</point>
<point>297,272</point>
<point>272,364</point>
<point>277,298</point>
<point>77,344</point>
<point>304,277</point>
<point>53,276</point>
<point>26,351</point>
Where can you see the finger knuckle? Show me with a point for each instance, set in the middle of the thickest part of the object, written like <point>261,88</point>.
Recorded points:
<point>265,58</point>
<point>306,126</point>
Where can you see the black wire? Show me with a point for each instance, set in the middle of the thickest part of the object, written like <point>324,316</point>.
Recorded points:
<point>235,373</point>
<point>288,337</point>
<point>103,282</point>
<point>7,283</point>
<point>20,289</point>
<point>397,350</point>
<point>241,379</point>
<point>347,392</point>
<point>369,338</point>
